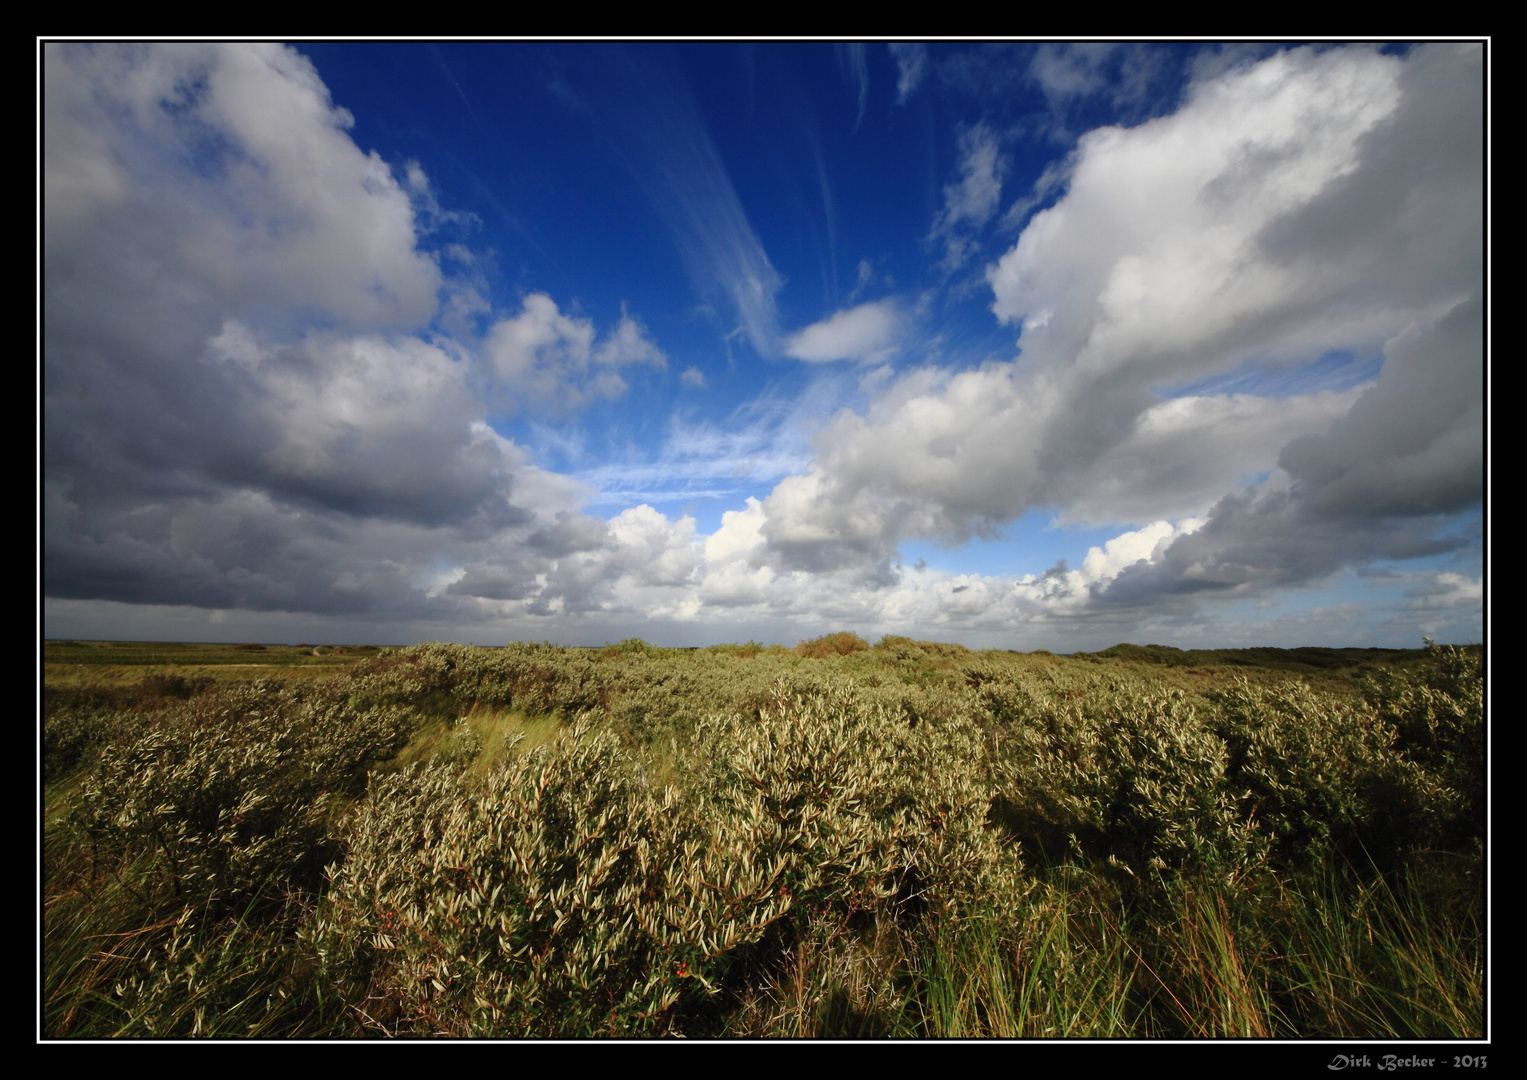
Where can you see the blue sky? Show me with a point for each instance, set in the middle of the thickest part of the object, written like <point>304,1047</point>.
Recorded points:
<point>1025,345</point>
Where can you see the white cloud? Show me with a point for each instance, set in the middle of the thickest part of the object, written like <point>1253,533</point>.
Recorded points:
<point>1273,219</point>
<point>240,176</point>
<point>545,358</point>
<point>911,68</point>
<point>653,550</point>
<point>1104,563</point>
<point>693,378</point>
<point>204,441</point>
<point>637,562</point>
<point>852,62</point>
<point>952,456</point>
<point>1159,253</point>
<point>970,203</point>
<point>758,443</point>
<point>241,412</point>
<point>974,198</point>
<point>1124,76</point>
<point>867,333</point>
<point>1183,453</point>
<point>1068,71</point>
<point>379,426</point>
<point>1449,591</point>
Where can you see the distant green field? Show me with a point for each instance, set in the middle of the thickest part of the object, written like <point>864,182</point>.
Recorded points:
<point>139,653</point>
<point>1302,660</point>
<point>113,662</point>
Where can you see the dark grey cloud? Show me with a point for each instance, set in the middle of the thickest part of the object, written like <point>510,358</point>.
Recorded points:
<point>235,551</point>
<point>499,582</point>
<point>1381,484</point>
<point>1414,444</point>
<point>571,533</point>
<point>240,406</point>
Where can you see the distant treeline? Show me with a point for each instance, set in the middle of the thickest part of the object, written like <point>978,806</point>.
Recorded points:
<point>1306,658</point>
<point>1303,659</point>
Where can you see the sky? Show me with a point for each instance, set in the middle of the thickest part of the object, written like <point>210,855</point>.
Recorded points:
<point>1019,345</point>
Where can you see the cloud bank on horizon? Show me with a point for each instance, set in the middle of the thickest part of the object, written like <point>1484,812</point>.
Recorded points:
<point>700,343</point>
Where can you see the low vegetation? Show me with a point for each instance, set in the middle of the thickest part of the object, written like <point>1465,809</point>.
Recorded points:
<point>904,839</point>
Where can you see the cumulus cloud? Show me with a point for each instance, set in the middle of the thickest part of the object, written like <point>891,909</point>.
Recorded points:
<point>1106,562</point>
<point>1181,449</point>
<point>743,579</point>
<point>866,333</point>
<point>245,405</point>
<point>954,456</point>
<point>230,214</point>
<point>365,424</point>
<point>653,550</point>
<point>1449,591</point>
<point>1159,253</point>
<point>1413,444</point>
<point>732,576</point>
<point>1315,201</point>
<point>1378,484</point>
<point>241,410</point>
<point>637,562</point>
<point>230,168</point>
<point>544,358</point>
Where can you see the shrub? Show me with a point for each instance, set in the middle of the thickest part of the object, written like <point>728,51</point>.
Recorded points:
<point>232,791</point>
<point>1319,775</point>
<point>828,859</point>
<point>561,896</point>
<point>1439,718</point>
<point>73,735</point>
<point>1137,779</point>
<point>746,651</point>
<point>840,644</point>
<point>503,908</point>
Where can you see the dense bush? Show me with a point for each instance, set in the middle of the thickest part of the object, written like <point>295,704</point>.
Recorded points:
<point>1321,777</point>
<point>1439,716</point>
<point>840,644</point>
<point>231,792</point>
<point>500,907</point>
<point>560,896</point>
<point>1134,778</point>
<point>912,839</point>
<point>73,735</point>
